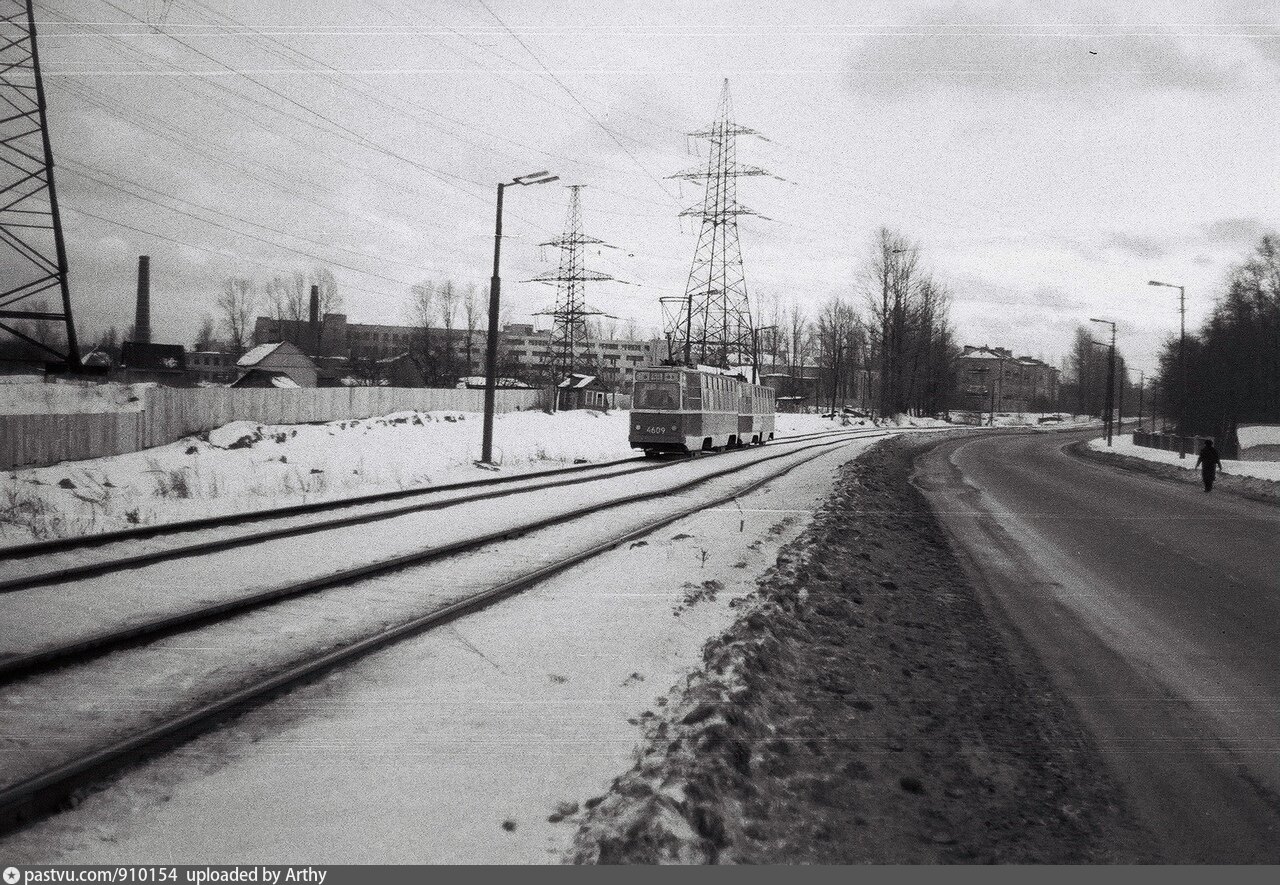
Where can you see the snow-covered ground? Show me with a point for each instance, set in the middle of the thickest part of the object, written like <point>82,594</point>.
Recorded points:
<point>1123,445</point>
<point>40,398</point>
<point>1259,435</point>
<point>244,466</point>
<point>475,743</point>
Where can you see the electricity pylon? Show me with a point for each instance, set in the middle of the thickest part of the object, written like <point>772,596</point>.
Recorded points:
<point>712,323</point>
<point>570,345</point>
<point>34,257</point>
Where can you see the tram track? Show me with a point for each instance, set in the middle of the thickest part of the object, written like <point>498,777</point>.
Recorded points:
<point>16,666</point>
<point>507,487</point>
<point>47,788</point>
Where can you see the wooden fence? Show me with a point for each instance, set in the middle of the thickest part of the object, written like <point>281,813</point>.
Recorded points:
<point>169,414</point>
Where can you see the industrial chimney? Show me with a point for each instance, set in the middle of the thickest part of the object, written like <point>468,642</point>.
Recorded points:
<point>315,321</point>
<point>142,319</point>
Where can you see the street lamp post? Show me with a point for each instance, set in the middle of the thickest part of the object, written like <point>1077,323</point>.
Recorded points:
<point>1182,360</point>
<point>1111,377</point>
<point>1142,388</point>
<point>491,344</point>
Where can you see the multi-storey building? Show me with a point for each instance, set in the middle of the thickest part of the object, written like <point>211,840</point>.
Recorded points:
<point>993,378</point>
<point>523,353</point>
<point>213,366</point>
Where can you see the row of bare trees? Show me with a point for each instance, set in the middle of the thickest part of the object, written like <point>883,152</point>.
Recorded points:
<point>436,308</point>
<point>282,297</point>
<point>887,346</point>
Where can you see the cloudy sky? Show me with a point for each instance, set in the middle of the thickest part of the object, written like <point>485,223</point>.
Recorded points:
<point>1049,158</point>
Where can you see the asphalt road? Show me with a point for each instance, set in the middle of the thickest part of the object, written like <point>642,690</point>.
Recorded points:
<point>1155,608</point>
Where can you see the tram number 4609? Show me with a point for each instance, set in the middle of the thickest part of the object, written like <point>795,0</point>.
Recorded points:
<point>654,429</point>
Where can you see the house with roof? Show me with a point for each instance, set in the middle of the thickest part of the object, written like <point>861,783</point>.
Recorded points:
<point>582,392</point>
<point>279,359</point>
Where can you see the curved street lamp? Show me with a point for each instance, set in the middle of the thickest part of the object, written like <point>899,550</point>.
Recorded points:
<point>491,343</point>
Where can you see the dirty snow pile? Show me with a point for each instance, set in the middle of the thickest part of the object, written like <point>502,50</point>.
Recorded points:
<point>1123,445</point>
<point>41,398</point>
<point>245,466</point>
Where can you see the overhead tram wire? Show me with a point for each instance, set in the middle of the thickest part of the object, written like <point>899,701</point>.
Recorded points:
<point>445,178</point>
<point>78,167</point>
<point>276,133</point>
<point>223,254</point>
<point>241,96</point>
<point>250,31</point>
<point>494,52</point>
<point>361,140</point>
<point>586,110</point>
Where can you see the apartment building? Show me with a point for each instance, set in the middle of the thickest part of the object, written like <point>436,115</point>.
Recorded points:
<point>523,352</point>
<point>992,377</point>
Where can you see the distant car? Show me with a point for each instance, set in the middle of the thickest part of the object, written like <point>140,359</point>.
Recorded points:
<point>1050,419</point>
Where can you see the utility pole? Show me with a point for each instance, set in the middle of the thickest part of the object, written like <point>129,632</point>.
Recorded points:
<point>491,345</point>
<point>1111,378</point>
<point>714,313</point>
<point>1142,385</point>
<point>1121,381</point>
<point>1182,362</point>
<point>35,253</point>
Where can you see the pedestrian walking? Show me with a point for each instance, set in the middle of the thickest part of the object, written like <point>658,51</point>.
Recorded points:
<point>1209,463</point>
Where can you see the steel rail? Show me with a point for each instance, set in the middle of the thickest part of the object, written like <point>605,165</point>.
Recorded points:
<point>37,549</point>
<point>121,563</point>
<point>18,666</point>
<point>44,791</point>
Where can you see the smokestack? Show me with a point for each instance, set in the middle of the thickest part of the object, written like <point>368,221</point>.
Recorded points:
<point>142,319</point>
<point>315,321</point>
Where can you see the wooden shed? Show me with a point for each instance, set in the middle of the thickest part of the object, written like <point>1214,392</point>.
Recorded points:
<point>280,358</point>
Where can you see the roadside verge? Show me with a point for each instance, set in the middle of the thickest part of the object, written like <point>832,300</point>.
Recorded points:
<point>1264,490</point>
<point>862,709</point>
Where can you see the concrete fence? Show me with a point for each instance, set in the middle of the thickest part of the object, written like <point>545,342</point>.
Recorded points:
<point>1170,442</point>
<point>168,414</point>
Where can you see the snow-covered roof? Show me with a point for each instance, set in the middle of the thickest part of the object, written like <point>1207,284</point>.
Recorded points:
<point>258,354</point>
<point>577,382</point>
<point>474,381</point>
<point>284,382</point>
<point>388,360</point>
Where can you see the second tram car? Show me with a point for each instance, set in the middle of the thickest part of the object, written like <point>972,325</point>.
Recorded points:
<point>681,409</point>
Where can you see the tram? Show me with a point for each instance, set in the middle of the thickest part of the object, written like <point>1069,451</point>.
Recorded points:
<point>679,409</point>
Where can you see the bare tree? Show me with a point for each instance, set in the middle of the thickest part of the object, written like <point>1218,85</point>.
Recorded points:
<point>838,333</point>
<point>447,298</point>
<point>236,306</point>
<point>206,338</point>
<point>471,315</point>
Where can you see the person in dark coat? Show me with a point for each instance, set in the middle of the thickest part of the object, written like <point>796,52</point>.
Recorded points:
<point>1209,463</point>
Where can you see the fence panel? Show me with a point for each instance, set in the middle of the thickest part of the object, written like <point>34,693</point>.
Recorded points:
<point>172,413</point>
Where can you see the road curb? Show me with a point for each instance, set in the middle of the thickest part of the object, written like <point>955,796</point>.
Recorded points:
<point>1262,490</point>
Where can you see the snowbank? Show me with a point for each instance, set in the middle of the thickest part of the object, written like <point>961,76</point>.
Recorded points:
<point>1123,445</point>
<point>1259,435</point>
<point>41,398</point>
<point>245,466</point>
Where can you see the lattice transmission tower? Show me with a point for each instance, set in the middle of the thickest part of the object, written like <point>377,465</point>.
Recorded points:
<point>570,343</point>
<point>711,325</point>
<point>33,256</point>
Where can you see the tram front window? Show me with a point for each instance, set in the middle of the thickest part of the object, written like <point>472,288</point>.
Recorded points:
<point>658,397</point>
